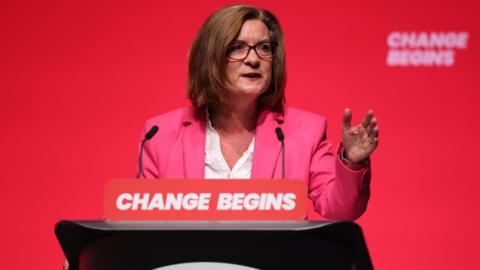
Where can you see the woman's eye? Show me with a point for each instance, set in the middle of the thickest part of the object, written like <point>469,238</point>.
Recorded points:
<point>236,47</point>
<point>266,47</point>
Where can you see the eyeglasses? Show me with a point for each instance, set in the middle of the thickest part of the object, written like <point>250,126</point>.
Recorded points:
<point>239,50</point>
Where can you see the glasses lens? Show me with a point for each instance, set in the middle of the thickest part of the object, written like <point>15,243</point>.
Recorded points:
<point>238,51</point>
<point>264,49</point>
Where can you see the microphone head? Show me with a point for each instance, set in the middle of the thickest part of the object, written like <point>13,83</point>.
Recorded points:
<point>151,133</point>
<point>279,133</point>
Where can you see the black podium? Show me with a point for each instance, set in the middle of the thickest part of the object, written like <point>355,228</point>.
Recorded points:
<point>139,245</point>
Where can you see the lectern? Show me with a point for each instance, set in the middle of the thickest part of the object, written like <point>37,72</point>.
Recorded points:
<point>264,245</point>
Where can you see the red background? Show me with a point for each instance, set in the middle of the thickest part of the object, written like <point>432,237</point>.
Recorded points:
<point>78,80</point>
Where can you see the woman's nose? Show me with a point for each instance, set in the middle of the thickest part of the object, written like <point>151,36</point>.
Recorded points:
<point>252,58</point>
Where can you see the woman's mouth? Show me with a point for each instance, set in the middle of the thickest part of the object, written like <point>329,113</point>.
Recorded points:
<point>252,75</point>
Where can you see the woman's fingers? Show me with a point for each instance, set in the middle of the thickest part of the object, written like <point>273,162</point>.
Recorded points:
<point>371,126</point>
<point>347,119</point>
<point>374,137</point>
<point>367,119</point>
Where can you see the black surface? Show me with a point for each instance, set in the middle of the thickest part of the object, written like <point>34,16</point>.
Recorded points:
<point>265,245</point>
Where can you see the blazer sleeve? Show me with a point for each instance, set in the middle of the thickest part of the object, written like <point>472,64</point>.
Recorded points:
<point>337,191</point>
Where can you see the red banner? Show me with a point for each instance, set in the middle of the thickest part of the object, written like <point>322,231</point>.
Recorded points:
<point>132,199</point>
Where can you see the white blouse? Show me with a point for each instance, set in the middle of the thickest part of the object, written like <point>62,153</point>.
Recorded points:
<point>216,166</point>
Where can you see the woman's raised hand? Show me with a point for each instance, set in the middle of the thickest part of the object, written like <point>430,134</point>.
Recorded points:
<point>361,140</point>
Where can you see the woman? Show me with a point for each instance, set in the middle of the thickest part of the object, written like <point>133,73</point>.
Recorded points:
<point>236,85</point>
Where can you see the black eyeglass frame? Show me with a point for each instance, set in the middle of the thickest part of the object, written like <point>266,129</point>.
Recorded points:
<point>254,47</point>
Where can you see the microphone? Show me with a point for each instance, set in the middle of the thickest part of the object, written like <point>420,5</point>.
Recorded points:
<point>151,133</point>
<point>153,130</point>
<point>281,138</point>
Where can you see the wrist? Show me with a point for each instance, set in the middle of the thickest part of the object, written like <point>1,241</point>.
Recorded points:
<point>354,165</point>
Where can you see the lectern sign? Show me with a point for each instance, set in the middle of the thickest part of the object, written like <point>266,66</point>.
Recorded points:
<point>132,199</point>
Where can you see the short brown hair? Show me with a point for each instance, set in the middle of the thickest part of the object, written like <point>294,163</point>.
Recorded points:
<point>207,78</point>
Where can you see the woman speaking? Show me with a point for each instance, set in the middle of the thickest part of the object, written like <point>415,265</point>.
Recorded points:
<point>238,126</point>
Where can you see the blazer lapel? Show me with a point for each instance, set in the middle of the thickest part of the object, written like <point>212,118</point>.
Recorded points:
<point>267,146</point>
<point>194,144</point>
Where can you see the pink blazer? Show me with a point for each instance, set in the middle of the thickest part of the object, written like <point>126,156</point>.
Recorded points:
<point>177,151</point>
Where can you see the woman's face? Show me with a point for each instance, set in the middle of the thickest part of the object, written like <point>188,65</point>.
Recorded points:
<point>251,76</point>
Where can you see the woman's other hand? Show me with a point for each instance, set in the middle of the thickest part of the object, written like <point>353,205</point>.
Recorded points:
<point>361,140</point>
